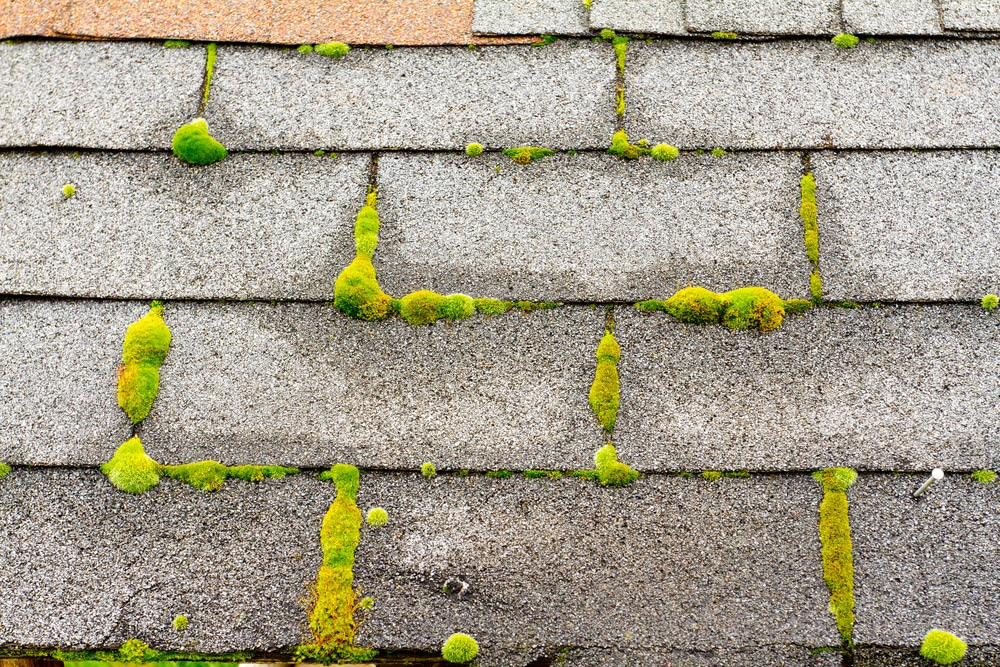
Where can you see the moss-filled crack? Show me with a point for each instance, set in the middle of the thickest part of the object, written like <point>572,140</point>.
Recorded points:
<point>621,147</point>
<point>810,222</point>
<point>147,342</point>
<point>210,54</point>
<point>835,537</point>
<point>743,308</point>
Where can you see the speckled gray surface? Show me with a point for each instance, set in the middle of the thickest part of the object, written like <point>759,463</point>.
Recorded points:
<point>764,656</point>
<point>975,656</point>
<point>86,565</point>
<point>768,17</point>
<point>925,563</point>
<point>590,227</point>
<point>892,17</point>
<point>144,225</point>
<point>663,17</point>
<point>561,96</point>
<point>529,17</point>
<point>302,384</point>
<point>971,14</point>
<point>58,380</point>
<point>809,93</point>
<point>891,388</point>
<point>667,562</point>
<point>908,226</point>
<point>122,95</point>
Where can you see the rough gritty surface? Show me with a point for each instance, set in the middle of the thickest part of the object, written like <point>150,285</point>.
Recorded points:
<point>664,17</point>
<point>971,14</point>
<point>765,656</point>
<point>892,17</point>
<point>302,385</point>
<point>29,17</point>
<point>774,17</point>
<point>590,227</point>
<point>667,562</point>
<point>530,17</point>
<point>891,388</point>
<point>908,226</point>
<point>58,380</point>
<point>559,96</point>
<point>147,226</point>
<point>97,94</point>
<point>802,93</point>
<point>925,563</point>
<point>975,656</point>
<point>86,565</point>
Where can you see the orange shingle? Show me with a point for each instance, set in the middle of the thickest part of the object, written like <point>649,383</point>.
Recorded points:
<point>29,17</point>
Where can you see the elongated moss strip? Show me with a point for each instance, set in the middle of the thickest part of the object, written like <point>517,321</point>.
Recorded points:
<point>810,221</point>
<point>331,618</point>
<point>743,308</point>
<point>604,392</point>
<point>835,536</point>
<point>146,344</point>
<point>209,70</point>
<point>525,154</point>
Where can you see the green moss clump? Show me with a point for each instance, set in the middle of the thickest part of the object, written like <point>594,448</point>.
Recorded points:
<point>69,190</point>
<point>525,154</point>
<point>664,152</point>
<point>943,647</point>
<point>990,301</point>
<point>605,390</point>
<point>845,41</point>
<point>796,306</point>
<point>808,213</point>
<point>457,307</point>
<point>332,49</point>
<point>724,35</point>
<point>133,651</point>
<point>835,536</point>
<point>4,470</point>
<point>428,470</point>
<point>193,144</point>
<point>377,517</point>
<point>753,308</point>
<point>367,604</point>
<point>500,474</point>
<point>210,54</point>
<point>621,147</point>
<point>421,307</point>
<point>210,475</point>
<point>357,292</point>
<point>545,40</point>
<point>180,623</point>
<point>305,48</point>
<point>530,306</point>
<point>743,308</point>
<point>607,34</point>
<point>176,44</point>
<point>460,648</point>
<point>472,150</point>
<point>718,152</point>
<point>696,305</point>
<point>816,286</point>
<point>492,306</point>
<point>542,474</point>
<point>147,341</point>
<point>981,476</point>
<point>712,475</point>
<point>610,471</point>
<point>620,44</point>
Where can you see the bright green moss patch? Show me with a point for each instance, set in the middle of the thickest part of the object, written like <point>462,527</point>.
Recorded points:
<point>131,470</point>
<point>176,44</point>
<point>545,40</point>
<point>457,307</point>
<point>421,307</point>
<point>718,152</point>
<point>357,292</point>
<point>835,536</point>
<point>712,475</point>
<point>210,54</point>
<point>845,41</point>
<point>210,475</point>
<point>472,150</point>
<point>607,34</point>
<point>193,144</point>
<point>377,517</point>
<point>816,286</point>
<point>133,651</point>
<point>604,392</point>
<point>621,147</point>
<point>990,301</point>
<point>525,154</point>
<point>610,471</point>
<point>305,48</point>
<point>69,190</point>
<point>460,648</point>
<point>796,306</point>
<point>4,470</point>
<point>981,476</point>
<point>620,101</point>
<point>146,344</point>
<point>943,647</point>
<point>621,44</point>
<point>664,152</point>
<point>492,306</point>
<point>716,475</point>
<point>529,306</point>
<point>334,600</point>
<point>180,623</point>
<point>428,470</point>
<point>332,49</point>
<point>743,308</point>
<point>724,35</point>
<point>542,474</point>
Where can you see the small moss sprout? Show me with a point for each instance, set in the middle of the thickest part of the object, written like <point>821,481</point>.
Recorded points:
<point>367,604</point>
<point>180,623</point>
<point>332,49</point>
<point>845,41</point>
<point>943,647</point>
<point>724,35</point>
<point>193,144</point>
<point>984,476</point>
<point>377,517</point>
<point>472,150</point>
<point>69,190</point>
<point>211,51</point>
<point>460,648</point>
<point>428,470</point>
<point>990,301</point>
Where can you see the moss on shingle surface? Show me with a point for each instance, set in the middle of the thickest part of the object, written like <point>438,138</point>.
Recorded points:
<point>743,308</point>
<point>147,342</point>
<point>193,144</point>
<point>837,549</point>
<point>525,154</point>
<point>460,648</point>
<point>610,471</point>
<point>942,647</point>
<point>131,470</point>
<point>604,392</point>
<point>332,49</point>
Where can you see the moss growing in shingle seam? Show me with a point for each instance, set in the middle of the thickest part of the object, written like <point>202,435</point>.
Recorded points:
<point>4,470</point>
<point>543,474</point>
<point>845,41</point>
<point>377,517</point>
<point>131,470</point>
<point>807,211</point>
<point>147,341</point>
<point>743,308</point>
<point>621,45</point>
<point>460,648</point>
<point>332,49</point>
<point>305,48</point>
<point>545,40</point>
<point>331,616</point>
<point>605,390</point>
<point>981,476</point>
<point>620,101</point>
<point>356,291</point>
<point>210,53</point>
<point>472,150</point>
<point>664,152</point>
<point>942,647</point>
<point>193,144</point>
<point>428,470</point>
<point>990,301</point>
<point>816,286</point>
<point>610,471</point>
<point>835,536</point>
<point>492,306</point>
<point>525,154</point>
<point>176,44</point>
<point>724,35</point>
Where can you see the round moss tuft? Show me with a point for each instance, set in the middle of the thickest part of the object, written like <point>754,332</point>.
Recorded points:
<point>608,349</point>
<point>346,477</point>
<point>845,41</point>
<point>131,470</point>
<point>133,651</point>
<point>712,475</point>
<point>180,623</point>
<point>193,144</point>
<point>332,49</point>
<point>460,648</point>
<point>943,647</point>
<point>421,307</point>
<point>377,517</point>
<point>69,190</point>
<point>990,301</point>
<point>984,476</point>
<point>664,152</point>
<point>306,48</point>
<point>718,152</point>
<point>428,470</point>
<point>357,292</point>
<point>472,150</point>
<point>607,34</point>
<point>458,307</point>
<point>696,305</point>
<point>367,604</point>
<point>753,308</point>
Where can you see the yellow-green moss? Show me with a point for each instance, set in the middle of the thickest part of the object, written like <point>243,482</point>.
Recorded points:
<point>807,211</point>
<point>604,392</point>
<point>621,44</point>
<point>724,35</point>
<point>180,623</point>
<point>460,648</point>
<point>428,470</point>
<point>131,470</point>
<point>943,647</point>
<point>981,476</point>
<point>711,475</point>
<point>377,517</point>
<point>356,291</point>
<point>525,154</point>
<point>193,144</point>
<point>133,652</point>
<point>835,536</point>
<point>543,474</point>
<point>743,308</point>
<point>472,150</point>
<point>620,101</point>
<point>610,471</point>
<point>4,470</point>
<point>816,286</point>
<point>210,54</point>
<point>664,152</point>
<point>210,475</point>
<point>332,49</point>
<point>457,307</point>
<point>331,614</point>
<point>621,147</point>
<point>147,341</point>
<point>305,48</point>
<point>69,190</point>
<point>990,301</point>
<point>492,306</point>
<point>845,41</point>
<point>176,44</point>
<point>421,307</point>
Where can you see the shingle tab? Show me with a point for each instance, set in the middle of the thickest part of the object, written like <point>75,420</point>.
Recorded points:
<point>769,17</point>
<point>892,17</point>
<point>560,96</point>
<point>590,227</point>
<point>971,14</point>
<point>927,563</point>
<point>302,384</point>
<point>804,93</point>
<point>530,17</point>
<point>908,226</point>
<point>97,94</point>
<point>145,225</point>
<point>30,17</point>
<point>890,388</point>
<point>58,380</point>
<point>663,17</point>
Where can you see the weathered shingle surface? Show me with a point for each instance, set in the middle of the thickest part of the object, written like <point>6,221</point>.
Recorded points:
<point>29,17</point>
<point>97,94</point>
<point>971,14</point>
<point>530,17</point>
<point>664,17</point>
<point>774,17</point>
<point>892,17</point>
<point>147,226</point>
<point>554,96</point>
<point>590,227</point>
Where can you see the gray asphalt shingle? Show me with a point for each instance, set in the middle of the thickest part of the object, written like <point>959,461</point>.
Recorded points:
<point>908,226</point>
<point>805,93</point>
<point>590,227</point>
<point>977,15</point>
<point>891,388</point>
<point>145,225</point>
<point>559,96</point>
<point>774,17</point>
<point>117,95</point>
<point>892,17</point>
<point>530,17</point>
<point>663,17</point>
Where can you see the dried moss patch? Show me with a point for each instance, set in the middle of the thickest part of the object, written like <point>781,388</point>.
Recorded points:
<point>147,342</point>
<point>835,536</point>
